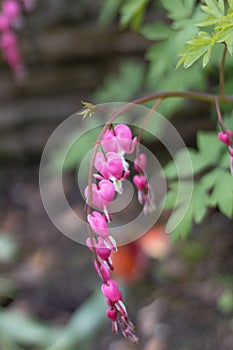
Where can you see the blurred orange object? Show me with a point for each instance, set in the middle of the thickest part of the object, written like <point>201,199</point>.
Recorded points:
<point>129,262</point>
<point>155,243</point>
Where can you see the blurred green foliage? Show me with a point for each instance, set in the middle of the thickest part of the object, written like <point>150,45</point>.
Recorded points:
<point>20,331</point>
<point>225,301</point>
<point>8,247</point>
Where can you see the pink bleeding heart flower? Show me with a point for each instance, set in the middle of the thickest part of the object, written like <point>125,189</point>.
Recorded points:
<point>140,163</point>
<point>98,223</point>
<point>12,10</point>
<point>225,137</point>
<point>140,182</point>
<point>13,58</point>
<point>119,140</point>
<point>102,195</point>
<point>102,271</point>
<point>129,333</point>
<point>111,291</point>
<point>11,53</point>
<point>112,314</point>
<point>104,247</point>
<point>4,23</point>
<point>110,166</point>
<point>101,250</point>
<point>8,40</point>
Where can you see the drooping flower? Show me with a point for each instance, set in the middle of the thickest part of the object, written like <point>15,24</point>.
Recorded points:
<point>111,291</point>
<point>12,10</point>
<point>102,270</point>
<point>119,140</point>
<point>140,163</point>
<point>102,195</point>
<point>225,137</point>
<point>11,53</point>
<point>110,166</point>
<point>145,195</point>
<point>140,182</point>
<point>98,223</point>
<point>4,23</point>
<point>102,250</point>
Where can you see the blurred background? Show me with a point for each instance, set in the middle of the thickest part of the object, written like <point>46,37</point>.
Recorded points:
<point>179,294</point>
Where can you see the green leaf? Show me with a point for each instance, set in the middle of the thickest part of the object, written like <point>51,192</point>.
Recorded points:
<point>198,46</point>
<point>184,227</point>
<point>222,194</point>
<point>178,9</point>
<point>196,210</point>
<point>225,160</point>
<point>109,10</point>
<point>222,32</point>
<point>124,86</point>
<point>225,35</point>
<point>132,13</point>
<point>25,330</point>
<point>199,202</point>
<point>209,146</point>
<point>208,179</point>
<point>199,163</point>
<point>156,31</point>
<point>214,8</point>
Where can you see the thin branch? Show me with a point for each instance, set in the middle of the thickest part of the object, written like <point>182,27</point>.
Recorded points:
<point>145,121</point>
<point>194,95</point>
<point>220,119</point>
<point>221,72</point>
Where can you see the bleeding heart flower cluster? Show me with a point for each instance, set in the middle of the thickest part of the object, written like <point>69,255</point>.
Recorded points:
<point>11,19</point>
<point>112,169</point>
<point>226,138</point>
<point>145,195</point>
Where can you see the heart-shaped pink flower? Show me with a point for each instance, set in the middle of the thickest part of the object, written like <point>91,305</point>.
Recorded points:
<point>140,182</point>
<point>98,223</point>
<point>225,137</point>
<point>111,291</point>
<point>112,314</point>
<point>11,9</point>
<point>109,165</point>
<point>102,194</point>
<point>102,271</point>
<point>4,23</point>
<point>101,249</point>
<point>119,140</point>
<point>140,163</point>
